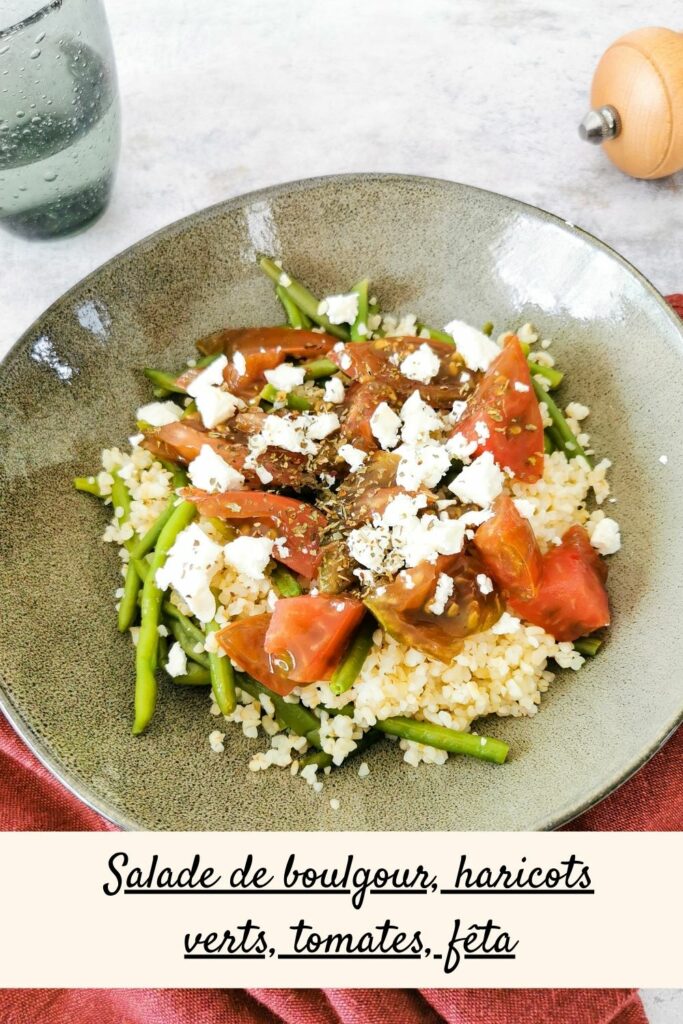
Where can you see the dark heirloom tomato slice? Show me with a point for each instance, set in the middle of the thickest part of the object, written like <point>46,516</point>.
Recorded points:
<point>379,361</point>
<point>404,611</point>
<point>300,524</point>
<point>571,599</point>
<point>368,490</point>
<point>361,401</point>
<point>510,552</point>
<point>243,641</point>
<point>308,635</point>
<point>505,401</point>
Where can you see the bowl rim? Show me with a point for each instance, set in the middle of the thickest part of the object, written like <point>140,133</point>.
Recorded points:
<point>39,746</point>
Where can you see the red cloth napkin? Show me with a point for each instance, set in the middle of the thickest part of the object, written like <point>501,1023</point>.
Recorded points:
<point>31,799</point>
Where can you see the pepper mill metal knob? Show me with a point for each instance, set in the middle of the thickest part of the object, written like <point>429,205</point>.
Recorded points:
<point>637,99</point>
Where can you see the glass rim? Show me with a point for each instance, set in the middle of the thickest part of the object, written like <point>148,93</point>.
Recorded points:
<point>30,19</point>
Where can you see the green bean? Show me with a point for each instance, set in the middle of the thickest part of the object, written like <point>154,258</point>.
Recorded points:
<point>487,328</point>
<point>294,401</point>
<point>149,539</point>
<point>563,436</point>
<point>347,672</point>
<point>548,443</point>
<point>128,605</point>
<point>324,760</point>
<point>317,757</point>
<point>318,368</point>
<point>222,677</point>
<point>193,633</point>
<point>295,317</point>
<point>361,320</point>
<point>163,381</point>
<point>435,334</point>
<point>195,676</point>
<point>89,484</point>
<point>146,654</point>
<point>302,297</point>
<point>189,410</point>
<point>293,716</point>
<point>188,643</point>
<point>588,645</point>
<point>483,747</point>
<point>286,583</point>
<point>553,376</point>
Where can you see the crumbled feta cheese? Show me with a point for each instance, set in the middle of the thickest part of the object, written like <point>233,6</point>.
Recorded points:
<point>158,414</point>
<point>240,363</point>
<point>444,589</point>
<point>482,431</point>
<point>385,425</point>
<point>420,465</point>
<point>423,364</point>
<point>176,664</point>
<point>249,555</point>
<point>484,583</point>
<point>210,377</point>
<point>190,566</point>
<point>216,405</point>
<point>211,473</point>
<point>480,482</point>
<point>340,309</point>
<point>334,390</point>
<point>355,457</point>
<point>475,347</point>
<point>458,447</point>
<point>264,475</point>
<point>524,507</point>
<point>576,411</point>
<point>294,433</point>
<point>322,425</point>
<point>285,377</point>
<point>520,386</point>
<point>506,624</point>
<point>457,410</point>
<point>420,421</point>
<point>606,537</point>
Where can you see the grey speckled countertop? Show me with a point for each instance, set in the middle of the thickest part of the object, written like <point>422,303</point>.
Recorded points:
<point>226,96</point>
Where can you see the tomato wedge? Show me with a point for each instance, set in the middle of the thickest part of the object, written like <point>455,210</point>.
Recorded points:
<point>571,600</point>
<point>506,403</point>
<point>379,361</point>
<point>361,402</point>
<point>404,611</point>
<point>509,549</point>
<point>309,634</point>
<point>244,643</point>
<point>300,524</point>
<point>302,344</point>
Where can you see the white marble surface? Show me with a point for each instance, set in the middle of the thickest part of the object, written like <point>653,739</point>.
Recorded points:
<point>228,95</point>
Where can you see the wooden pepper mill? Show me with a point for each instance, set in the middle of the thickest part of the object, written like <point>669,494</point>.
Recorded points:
<point>637,98</point>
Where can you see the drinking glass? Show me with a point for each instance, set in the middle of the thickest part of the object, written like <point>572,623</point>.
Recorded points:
<point>59,115</point>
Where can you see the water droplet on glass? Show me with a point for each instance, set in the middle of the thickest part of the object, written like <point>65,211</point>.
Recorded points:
<point>20,113</point>
<point>35,53</point>
<point>40,37</point>
<point>50,175</point>
<point>22,188</point>
<point>4,49</point>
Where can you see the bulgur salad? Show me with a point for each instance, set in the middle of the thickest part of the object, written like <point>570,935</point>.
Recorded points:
<point>355,525</point>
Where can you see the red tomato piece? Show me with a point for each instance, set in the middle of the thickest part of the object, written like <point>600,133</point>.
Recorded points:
<point>379,361</point>
<point>571,600</point>
<point>244,643</point>
<point>506,403</point>
<point>309,634</point>
<point>300,524</point>
<point>509,549</point>
<point>361,402</point>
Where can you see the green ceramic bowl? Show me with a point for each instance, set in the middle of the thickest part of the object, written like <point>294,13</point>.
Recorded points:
<point>442,250</point>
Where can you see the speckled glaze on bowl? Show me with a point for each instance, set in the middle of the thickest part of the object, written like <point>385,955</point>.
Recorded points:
<point>443,250</point>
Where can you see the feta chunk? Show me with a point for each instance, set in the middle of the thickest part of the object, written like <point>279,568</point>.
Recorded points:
<point>176,664</point>
<point>506,624</point>
<point>520,386</point>
<point>240,363</point>
<point>210,377</point>
<point>285,377</point>
<point>249,555</point>
<point>340,309</point>
<point>444,589</point>
<point>524,507</point>
<point>475,347</point>
<point>479,483</point>
<point>423,364</point>
<point>294,433</point>
<point>484,583</point>
<point>385,426</point>
<point>421,465</point>
<point>158,414</point>
<point>322,425</point>
<point>355,457</point>
<point>458,447</point>
<point>211,473</point>
<point>190,565</point>
<point>216,405</point>
<point>334,390</point>
<point>606,536</point>
<point>420,421</point>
